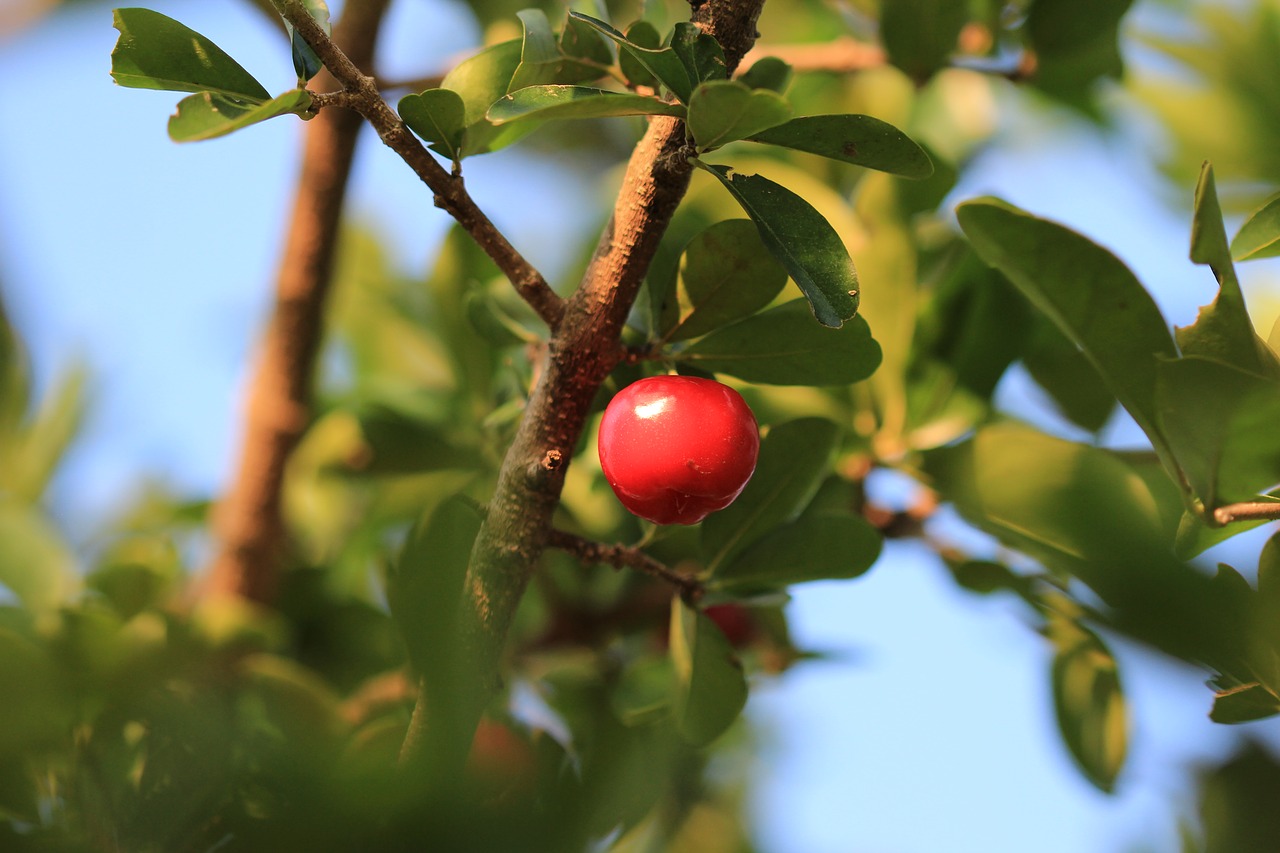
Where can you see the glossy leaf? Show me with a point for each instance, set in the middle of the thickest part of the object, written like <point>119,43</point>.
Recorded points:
<point>920,35</point>
<point>857,139</point>
<point>726,274</point>
<point>558,102</point>
<point>439,117</point>
<point>208,115</point>
<point>1086,291</point>
<point>663,63</point>
<point>642,34</point>
<point>156,52</point>
<point>580,40</point>
<point>305,61</point>
<point>1259,237</point>
<point>821,546</point>
<point>541,60</point>
<point>1089,702</point>
<point>794,458</point>
<point>480,80</point>
<point>711,689</point>
<point>701,54</point>
<point>1223,330</point>
<point>768,72</point>
<point>724,111</point>
<point>783,346</point>
<point>802,240</point>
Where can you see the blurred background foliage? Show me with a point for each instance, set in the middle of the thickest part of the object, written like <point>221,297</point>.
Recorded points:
<point>139,716</point>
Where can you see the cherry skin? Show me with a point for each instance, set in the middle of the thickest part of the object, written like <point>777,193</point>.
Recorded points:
<point>677,448</point>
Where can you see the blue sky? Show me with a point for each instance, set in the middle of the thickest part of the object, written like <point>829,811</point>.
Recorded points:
<point>930,730</point>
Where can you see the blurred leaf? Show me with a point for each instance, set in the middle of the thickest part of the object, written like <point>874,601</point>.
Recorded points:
<point>726,274</point>
<point>208,115</point>
<point>560,102</point>
<point>821,546</point>
<point>723,111</point>
<point>44,713</point>
<point>644,690</point>
<point>768,72</point>
<point>297,699</point>
<point>305,61</point>
<point>783,346</point>
<point>35,563</point>
<point>794,458</point>
<point>921,35</point>
<point>43,442</point>
<point>398,443</point>
<point>1066,373</point>
<point>1236,804</point>
<point>156,52</point>
<point>711,690</point>
<point>663,63</point>
<point>857,139</point>
<point>439,117</point>
<point>1259,237</point>
<point>802,240</point>
<point>1244,704</point>
<point>1087,292</point>
<point>1089,702</point>
<point>1223,330</point>
<point>1075,44</point>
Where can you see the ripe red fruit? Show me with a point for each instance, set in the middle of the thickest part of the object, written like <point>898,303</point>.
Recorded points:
<point>677,448</point>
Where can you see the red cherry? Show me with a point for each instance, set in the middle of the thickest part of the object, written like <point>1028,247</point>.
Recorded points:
<point>677,448</point>
<point>734,621</point>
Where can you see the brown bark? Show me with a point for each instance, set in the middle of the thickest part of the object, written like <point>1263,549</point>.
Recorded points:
<point>251,538</point>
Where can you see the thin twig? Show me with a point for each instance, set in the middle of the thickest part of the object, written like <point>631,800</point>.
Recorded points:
<point>1248,511</point>
<point>623,557</point>
<point>450,193</point>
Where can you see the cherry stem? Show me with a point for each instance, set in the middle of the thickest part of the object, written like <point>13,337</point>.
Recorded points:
<point>624,557</point>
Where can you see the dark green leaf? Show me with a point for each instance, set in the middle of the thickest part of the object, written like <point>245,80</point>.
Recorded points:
<point>1223,330</point>
<point>723,111</point>
<point>541,60</point>
<point>860,140</point>
<point>1065,372</point>
<point>480,80</point>
<point>580,40</point>
<point>642,34</point>
<point>821,546</point>
<point>726,274</point>
<point>439,117</point>
<point>711,690</point>
<point>554,102</point>
<point>802,240</point>
<point>644,690</point>
<point>1259,237</point>
<point>1089,702</point>
<point>701,54</point>
<point>156,52</point>
<point>305,61</point>
<point>663,63</point>
<point>794,458</point>
<point>1076,42</point>
<point>920,35</point>
<point>1244,704</point>
<point>768,72</point>
<point>208,115</point>
<point>783,346</point>
<point>1087,292</point>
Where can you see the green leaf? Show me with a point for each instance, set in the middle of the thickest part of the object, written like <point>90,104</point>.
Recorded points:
<point>1220,422</point>
<point>208,115</point>
<point>1087,292</point>
<point>711,690</point>
<point>580,40</point>
<point>156,52</point>
<point>558,102</point>
<point>663,63</point>
<point>701,54</point>
<point>1076,42</point>
<point>857,139</point>
<point>768,72</point>
<point>480,80</point>
<point>723,111</point>
<point>794,458</point>
<point>1244,704</point>
<point>305,61</point>
<point>642,34</point>
<point>541,60</point>
<point>1060,368</point>
<point>1223,330</point>
<point>1089,702</point>
<point>801,239</point>
<point>43,442</point>
<point>35,563</point>
<point>921,35</point>
<point>783,346</point>
<point>439,117</point>
<point>726,274</point>
<point>1259,237</point>
<point>821,546</point>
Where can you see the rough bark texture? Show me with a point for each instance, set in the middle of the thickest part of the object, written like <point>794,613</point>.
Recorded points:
<point>251,538</point>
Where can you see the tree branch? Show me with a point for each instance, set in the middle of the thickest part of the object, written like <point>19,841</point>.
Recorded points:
<point>623,557</point>
<point>1249,511</point>
<point>249,527</point>
<point>450,192</point>
<point>582,351</point>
